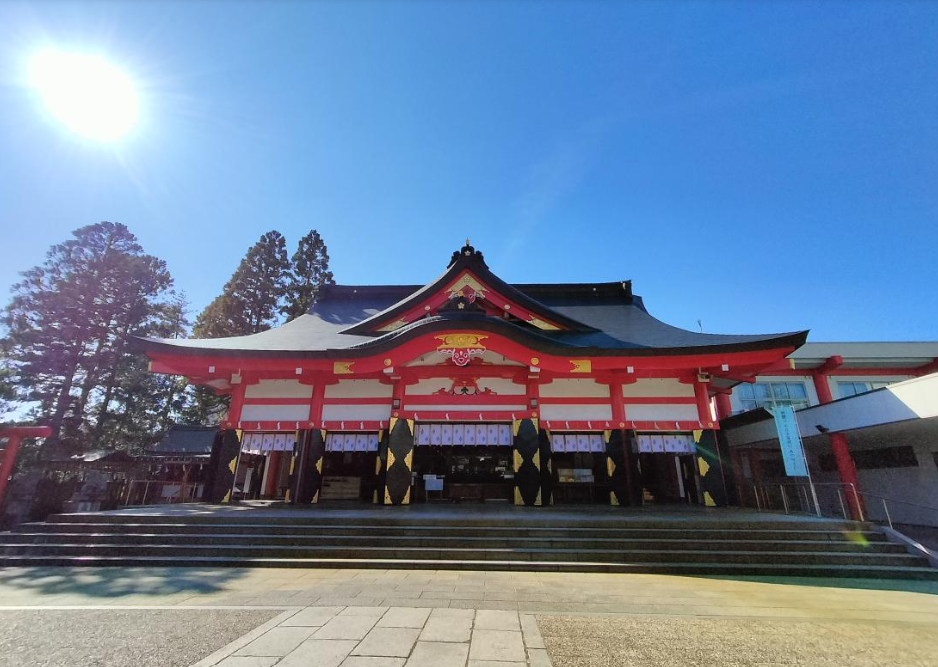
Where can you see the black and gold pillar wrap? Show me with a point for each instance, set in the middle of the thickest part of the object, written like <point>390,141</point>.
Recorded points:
<point>712,483</point>
<point>311,480</point>
<point>618,463</point>
<point>547,470</point>
<point>296,469</point>
<point>400,459</point>
<point>527,457</point>
<point>224,461</point>
<point>381,467</point>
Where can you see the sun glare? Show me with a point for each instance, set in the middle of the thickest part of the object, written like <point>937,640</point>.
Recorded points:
<point>86,93</point>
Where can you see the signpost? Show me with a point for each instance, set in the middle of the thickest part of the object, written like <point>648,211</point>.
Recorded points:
<point>789,437</point>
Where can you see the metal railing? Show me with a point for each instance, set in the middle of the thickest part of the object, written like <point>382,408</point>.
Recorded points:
<point>161,492</point>
<point>829,499</point>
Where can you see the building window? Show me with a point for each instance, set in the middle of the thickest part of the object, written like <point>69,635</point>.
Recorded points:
<point>771,394</point>
<point>848,389</point>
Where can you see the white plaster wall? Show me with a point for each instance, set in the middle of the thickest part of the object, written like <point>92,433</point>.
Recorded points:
<point>464,407</point>
<point>905,400</point>
<point>660,412</point>
<point>356,412</point>
<point>273,413</point>
<point>278,389</point>
<point>576,412</point>
<point>359,389</point>
<point>657,387</point>
<point>427,386</point>
<point>501,386</point>
<point>585,387</point>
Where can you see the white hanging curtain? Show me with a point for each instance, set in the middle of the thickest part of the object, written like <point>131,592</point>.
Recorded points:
<point>352,442</point>
<point>463,434</point>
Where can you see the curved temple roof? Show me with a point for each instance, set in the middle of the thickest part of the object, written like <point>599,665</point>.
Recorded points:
<point>602,319</point>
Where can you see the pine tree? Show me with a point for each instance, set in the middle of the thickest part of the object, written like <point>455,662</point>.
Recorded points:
<point>309,273</point>
<point>251,299</point>
<point>70,321</point>
<point>7,391</point>
<point>249,303</point>
<point>142,405</point>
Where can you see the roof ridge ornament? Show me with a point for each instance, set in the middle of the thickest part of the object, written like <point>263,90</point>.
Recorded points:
<point>467,252</point>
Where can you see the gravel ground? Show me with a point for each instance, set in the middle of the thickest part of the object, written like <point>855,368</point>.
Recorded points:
<point>598,641</point>
<point>119,638</point>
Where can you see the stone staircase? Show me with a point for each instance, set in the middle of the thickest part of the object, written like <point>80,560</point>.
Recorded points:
<point>584,543</point>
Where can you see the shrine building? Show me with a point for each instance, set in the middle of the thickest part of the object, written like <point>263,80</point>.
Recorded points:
<point>472,389</point>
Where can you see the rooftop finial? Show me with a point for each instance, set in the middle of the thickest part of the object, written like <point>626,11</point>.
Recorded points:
<point>467,241</point>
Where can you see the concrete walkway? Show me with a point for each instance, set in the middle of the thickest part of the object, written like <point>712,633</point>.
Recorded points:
<point>376,618</point>
<point>388,637</point>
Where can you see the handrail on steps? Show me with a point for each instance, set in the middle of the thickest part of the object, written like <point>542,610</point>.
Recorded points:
<point>805,499</point>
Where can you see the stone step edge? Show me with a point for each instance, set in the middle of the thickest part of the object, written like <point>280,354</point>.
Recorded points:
<point>244,547</point>
<point>500,528</point>
<point>286,536</point>
<point>839,571</point>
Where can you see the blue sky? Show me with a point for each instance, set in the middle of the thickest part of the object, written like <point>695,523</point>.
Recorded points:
<point>760,166</point>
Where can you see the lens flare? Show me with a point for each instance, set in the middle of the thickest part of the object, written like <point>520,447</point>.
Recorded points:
<point>87,94</point>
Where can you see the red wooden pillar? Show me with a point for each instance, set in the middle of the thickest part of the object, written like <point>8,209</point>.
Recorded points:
<point>237,403</point>
<point>6,464</point>
<point>724,405</point>
<point>15,435</point>
<point>822,387</point>
<point>703,403</point>
<point>847,471</point>
<point>271,488</point>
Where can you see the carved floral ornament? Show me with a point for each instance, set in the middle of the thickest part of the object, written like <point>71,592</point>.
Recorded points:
<point>461,347</point>
<point>465,387</point>
<point>467,286</point>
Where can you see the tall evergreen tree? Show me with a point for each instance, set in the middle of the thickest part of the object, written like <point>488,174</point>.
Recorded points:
<point>249,303</point>
<point>251,299</point>
<point>309,273</point>
<point>70,320</point>
<point>142,405</point>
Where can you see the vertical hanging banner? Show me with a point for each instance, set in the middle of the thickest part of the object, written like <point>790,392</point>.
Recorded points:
<point>789,437</point>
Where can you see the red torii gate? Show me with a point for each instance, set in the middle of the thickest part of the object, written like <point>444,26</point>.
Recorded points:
<point>15,435</point>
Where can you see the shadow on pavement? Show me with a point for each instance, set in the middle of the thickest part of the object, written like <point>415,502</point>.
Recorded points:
<point>108,582</point>
<point>906,585</point>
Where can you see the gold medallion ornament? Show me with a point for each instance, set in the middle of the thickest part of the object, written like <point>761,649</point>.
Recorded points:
<point>461,347</point>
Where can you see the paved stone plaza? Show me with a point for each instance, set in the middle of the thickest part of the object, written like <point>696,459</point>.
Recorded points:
<point>374,618</point>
